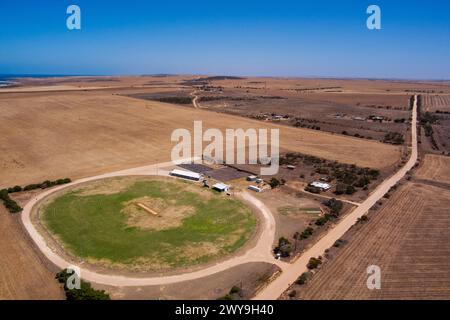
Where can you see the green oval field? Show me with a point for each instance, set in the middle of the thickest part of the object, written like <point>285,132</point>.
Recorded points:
<point>148,223</point>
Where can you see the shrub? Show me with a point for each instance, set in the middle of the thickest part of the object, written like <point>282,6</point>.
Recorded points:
<point>363,219</point>
<point>274,182</point>
<point>46,184</point>
<point>86,292</point>
<point>313,263</point>
<point>284,247</point>
<point>15,189</point>
<point>9,203</point>
<point>235,289</point>
<point>312,189</point>
<point>338,243</point>
<point>305,234</point>
<point>350,190</point>
<point>303,278</point>
<point>340,189</point>
<point>321,221</point>
<point>335,206</point>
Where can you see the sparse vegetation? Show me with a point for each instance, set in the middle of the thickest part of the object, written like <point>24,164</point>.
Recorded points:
<point>10,204</point>
<point>46,184</point>
<point>304,277</point>
<point>284,248</point>
<point>176,100</point>
<point>314,263</point>
<point>394,138</point>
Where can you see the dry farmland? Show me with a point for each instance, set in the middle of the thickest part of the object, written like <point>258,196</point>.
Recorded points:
<point>435,168</point>
<point>435,103</point>
<point>23,275</point>
<point>52,135</point>
<point>407,239</point>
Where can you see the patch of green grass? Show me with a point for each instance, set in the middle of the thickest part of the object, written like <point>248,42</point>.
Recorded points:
<point>93,226</point>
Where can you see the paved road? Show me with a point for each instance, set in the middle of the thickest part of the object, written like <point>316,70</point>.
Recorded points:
<point>293,271</point>
<point>260,252</point>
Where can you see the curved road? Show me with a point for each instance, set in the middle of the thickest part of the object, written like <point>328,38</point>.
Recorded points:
<point>290,273</point>
<point>260,252</point>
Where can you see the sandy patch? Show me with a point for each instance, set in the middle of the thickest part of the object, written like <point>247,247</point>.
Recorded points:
<point>169,216</point>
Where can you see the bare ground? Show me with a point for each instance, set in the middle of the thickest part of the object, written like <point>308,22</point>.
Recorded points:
<point>23,275</point>
<point>79,134</point>
<point>249,277</point>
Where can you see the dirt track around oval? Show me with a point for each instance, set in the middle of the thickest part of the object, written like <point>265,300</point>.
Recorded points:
<point>260,252</point>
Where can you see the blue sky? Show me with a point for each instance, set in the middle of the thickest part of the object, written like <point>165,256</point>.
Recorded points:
<point>271,38</point>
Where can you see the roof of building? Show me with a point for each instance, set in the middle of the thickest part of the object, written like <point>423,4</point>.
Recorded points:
<point>185,173</point>
<point>321,185</point>
<point>255,188</point>
<point>221,186</point>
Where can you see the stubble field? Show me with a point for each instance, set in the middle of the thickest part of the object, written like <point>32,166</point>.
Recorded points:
<point>23,274</point>
<point>407,239</point>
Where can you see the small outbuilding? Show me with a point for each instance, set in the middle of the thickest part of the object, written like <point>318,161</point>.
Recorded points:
<point>221,187</point>
<point>186,174</point>
<point>321,185</point>
<point>255,188</point>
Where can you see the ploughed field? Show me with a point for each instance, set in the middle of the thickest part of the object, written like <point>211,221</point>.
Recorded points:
<point>407,238</point>
<point>147,224</point>
<point>435,168</point>
<point>24,275</point>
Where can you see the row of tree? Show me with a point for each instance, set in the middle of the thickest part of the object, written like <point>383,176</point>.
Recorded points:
<point>12,206</point>
<point>85,290</point>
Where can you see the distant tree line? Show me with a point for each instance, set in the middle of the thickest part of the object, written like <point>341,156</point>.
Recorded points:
<point>12,206</point>
<point>175,100</point>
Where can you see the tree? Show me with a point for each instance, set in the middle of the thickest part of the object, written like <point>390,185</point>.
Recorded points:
<point>340,189</point>
<point>86,292</point>
<point>274,182</point>
<point>313,263</point>
<point>284,247</point>
<point>350,190</point>
<point>303,278</point>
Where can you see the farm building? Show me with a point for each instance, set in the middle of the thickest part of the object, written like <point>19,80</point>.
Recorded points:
<point>221,187</point>
<point>186,174</point>
<point>321,185</point>
<point>252,178</point>
<point>254,188</point>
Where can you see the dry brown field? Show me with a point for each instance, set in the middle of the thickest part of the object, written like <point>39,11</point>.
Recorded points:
<point>23,274</point>
<point>344,85</point>
<point>435,103</point>
<point>435,168</point>
<point>49,135</point>
<point>406,239</point>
